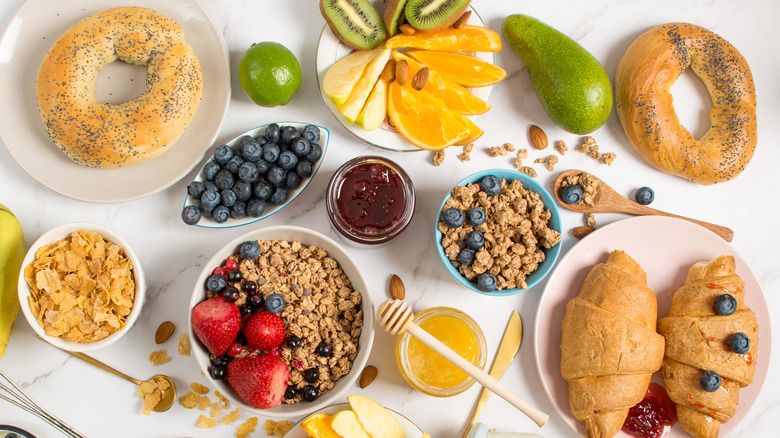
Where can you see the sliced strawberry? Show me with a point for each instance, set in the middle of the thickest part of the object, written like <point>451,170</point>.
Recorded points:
<point>216,323</point>
<point>264,331</point>
<point>259,380</point>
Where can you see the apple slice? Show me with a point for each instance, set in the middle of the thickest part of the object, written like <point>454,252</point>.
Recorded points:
<point>377,421</point>
<point>351,108</point>
<point>375,109</point>
<point>341,77</point>
<point>346,424</point>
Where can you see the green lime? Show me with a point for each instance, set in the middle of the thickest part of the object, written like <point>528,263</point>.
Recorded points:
<point>269,74</point>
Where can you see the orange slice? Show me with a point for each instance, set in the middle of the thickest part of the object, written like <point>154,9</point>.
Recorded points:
<point>464,39</point>
<point>318,426</point>
<point>475,132</point>
<point>456,98</point>
<point>423,119</point>
<point>464,69</point>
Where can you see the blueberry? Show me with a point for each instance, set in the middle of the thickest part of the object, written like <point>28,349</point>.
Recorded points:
<point>279,196</point>
<point>224,179</point>
<point>314,153</point>
<point>238,210</point>
<point>467,256</point>
<point>287,160</point>
<point>234,164</point>
<point>324,349</point>
<point>210,170</point>
<point>311,133</point>
<point>261,140</point>
<point>288,134</point>
<point>209,199</point>
<point>272,133</point>
<point>243,190</point>
<point>294,341</point>
<point>491,185</point>
<point>227,197</point>
<point>190,215</point>
<point>453,217</point>
<point>311,375</point>
<point>215,283</point>
<point>290,392</point>
<point>310,393</point>
<point>205,212</point>
<point>644,195</point>
<point>251,150</point>
<point>220,214</point>
<point>262,166</point>
<point>304,168</point>
<point>301,147</point>
<point>250,250</point>
<point>292,181</point>
<point>248,172</point>
<point>487,282</point>
<point>271,152</point>
<point>275,176</point>
<point>235,275</point>
<point>230,294</point>
<point>274,303</point>
<point>475,240</point>
<point>218,372</point>
<point>223,154</point>
<point>209,185</point>
<point>725,304</point>
<point>196,188</point>
<point>739,343</point>
<point>571,194</point>
<point>710,381</point>
<point>263,189</point>
<point>255,207</point>
<point>476,216</point>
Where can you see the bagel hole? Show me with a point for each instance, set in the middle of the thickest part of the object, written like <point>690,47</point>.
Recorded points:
<point>692,103</point>
<point>120,82</point>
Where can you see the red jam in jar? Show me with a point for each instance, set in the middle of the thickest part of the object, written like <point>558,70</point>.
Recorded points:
<point>654,416</point>
<point>370,200</point>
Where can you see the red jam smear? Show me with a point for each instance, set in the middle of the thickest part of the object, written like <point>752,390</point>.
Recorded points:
<point>371,198</point>
<point>654,416</point>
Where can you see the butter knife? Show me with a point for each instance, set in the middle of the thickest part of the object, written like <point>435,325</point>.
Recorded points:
<point>507,350</point>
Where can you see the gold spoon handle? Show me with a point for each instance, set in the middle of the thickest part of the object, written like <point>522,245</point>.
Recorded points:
<point>92,361</point>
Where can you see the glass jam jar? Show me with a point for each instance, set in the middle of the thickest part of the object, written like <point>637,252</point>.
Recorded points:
<point>429,372</point>
<point>370,200</point>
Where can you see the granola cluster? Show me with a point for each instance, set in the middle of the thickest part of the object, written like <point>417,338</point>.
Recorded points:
<point>589,186</point>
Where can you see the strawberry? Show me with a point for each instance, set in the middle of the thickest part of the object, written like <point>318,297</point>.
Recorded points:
<point>264,331</point>
<point>216,323</point>
<point>259,380</point>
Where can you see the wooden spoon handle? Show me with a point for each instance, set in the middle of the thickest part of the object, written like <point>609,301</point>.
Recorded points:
<point>538,417</point>
<point>640,210</point>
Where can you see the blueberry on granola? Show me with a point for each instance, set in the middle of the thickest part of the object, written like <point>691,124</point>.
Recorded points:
<point>476,216</point>
<point>467,256</point>
<point>491,185</point>
<point>215,283</point>
<point>274,303</point>
<point>453,217</point>
<point>294,341</point>
<point>311,375</point>
<point>487,282</point>
<point>324,349</point>
<point>250,250</point>
<point>571,194</point>
<point>475,240</point>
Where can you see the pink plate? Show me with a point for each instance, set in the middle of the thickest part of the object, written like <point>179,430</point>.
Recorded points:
<point>666,248</point>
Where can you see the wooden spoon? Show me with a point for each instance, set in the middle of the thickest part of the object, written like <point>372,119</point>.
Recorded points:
<point>607,200</point>
<point>396,317</point>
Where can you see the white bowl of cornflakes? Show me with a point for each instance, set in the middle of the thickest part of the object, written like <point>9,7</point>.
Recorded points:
<point>81,287</point>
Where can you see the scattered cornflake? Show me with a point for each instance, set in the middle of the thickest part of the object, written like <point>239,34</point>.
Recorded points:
<point>608,158</point>
<point>184,345</point>
<point>466,155</point>
<point>278,429</point>
<point>203,402</point>
<point>248,427</point>
<point>190,400</point>
<point>205,422</point>
<point>215,410</point>
<point>231,417</point>
<point>159,357</point>
<point>550,162</point>
<point>590,220</point>
<point>561,147</point>
<point>528,171</point>
<point>198,388</point>
<point>223,401</point>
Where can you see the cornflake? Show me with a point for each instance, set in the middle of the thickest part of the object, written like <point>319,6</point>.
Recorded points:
<point>151,391</point>
<point>231,417</point>
<point>248,427</point>
<point>278,429</point>
<point>184,345</point>
<point>198,388</point>
<point>190,400</point>
<point>159,357</point>
<point>205,422</point>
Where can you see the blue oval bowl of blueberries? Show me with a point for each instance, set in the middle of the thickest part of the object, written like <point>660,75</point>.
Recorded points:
<point>498,232</point>
<point>255,174</point>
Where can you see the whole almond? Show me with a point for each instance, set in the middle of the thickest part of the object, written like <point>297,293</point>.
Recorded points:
<point>164,332</point>
<point>401,72</point>
<point>538,137</point>
<point>367,376</point>
<point>407,29</point>
<point>397,289</point>
<point>580,232</point>
<point>388,73</point>
<point>420,79</point>
<point>463,19</point>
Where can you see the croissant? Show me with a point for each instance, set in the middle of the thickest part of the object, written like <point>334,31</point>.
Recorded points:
<point>698,334</point>
<point>610,347</point>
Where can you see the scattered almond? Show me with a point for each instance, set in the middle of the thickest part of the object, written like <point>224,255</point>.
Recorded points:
<point>164,332</point>
<point>367,376</point>
<point>580,232</point>
<point>420,79</point>
<point>397,289</point>
<point>538,137</point>
<point>463,19</point>
<point>388,73</point>
<point>407,29</point>
<point>401,72</point>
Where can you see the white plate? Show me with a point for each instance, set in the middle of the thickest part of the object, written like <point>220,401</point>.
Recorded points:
<point>208,222</point>
<point>30,34</point>
<point>665,248</point>
<point>330,50</point>
<point>410,429</point>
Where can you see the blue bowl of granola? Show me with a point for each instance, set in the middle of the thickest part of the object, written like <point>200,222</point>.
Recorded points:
<point>498,232</point>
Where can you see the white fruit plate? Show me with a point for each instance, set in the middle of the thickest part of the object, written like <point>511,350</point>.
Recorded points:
<point>330,50</point>
<point>410,429</point>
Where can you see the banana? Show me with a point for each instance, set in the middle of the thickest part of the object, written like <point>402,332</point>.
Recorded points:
<point>12,252</point>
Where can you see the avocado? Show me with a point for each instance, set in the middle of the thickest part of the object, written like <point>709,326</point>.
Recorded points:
<point>570,83</point>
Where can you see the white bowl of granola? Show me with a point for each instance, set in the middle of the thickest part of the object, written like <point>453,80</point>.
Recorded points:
<point>325,306</point>
<point>506,247</point>
<point>81,287</point>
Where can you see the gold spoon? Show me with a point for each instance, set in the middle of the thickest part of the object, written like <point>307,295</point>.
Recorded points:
<point>166,399</point>
<point>607,200</point>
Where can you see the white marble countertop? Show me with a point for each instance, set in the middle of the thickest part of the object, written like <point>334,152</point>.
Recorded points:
<point>99,404</point>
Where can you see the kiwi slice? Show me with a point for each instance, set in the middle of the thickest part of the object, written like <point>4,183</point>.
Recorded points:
<point>434,14</point>
<point>355,22</point>
<point>394,15</point>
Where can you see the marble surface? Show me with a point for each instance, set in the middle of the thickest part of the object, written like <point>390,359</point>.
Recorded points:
<point>99,404</point>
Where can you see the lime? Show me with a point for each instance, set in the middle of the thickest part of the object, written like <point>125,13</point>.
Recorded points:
<point>269,74</point>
